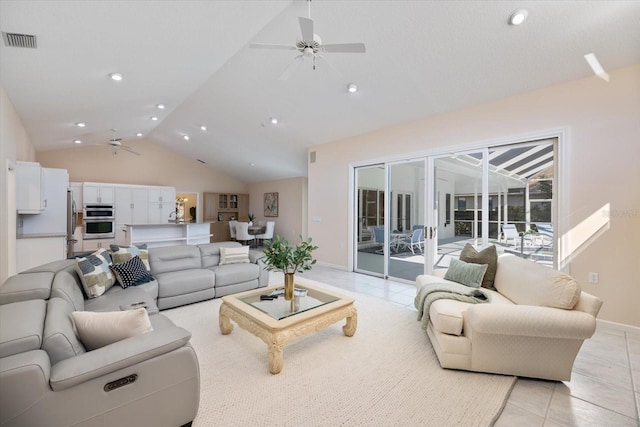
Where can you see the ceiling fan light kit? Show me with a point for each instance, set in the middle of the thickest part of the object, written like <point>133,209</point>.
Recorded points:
<point>310,46</point>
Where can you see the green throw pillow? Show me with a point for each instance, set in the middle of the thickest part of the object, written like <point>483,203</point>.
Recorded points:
<point>466,273</point>
<point>489,256</point>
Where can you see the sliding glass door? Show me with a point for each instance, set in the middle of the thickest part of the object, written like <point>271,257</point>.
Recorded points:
<point>415,215</point>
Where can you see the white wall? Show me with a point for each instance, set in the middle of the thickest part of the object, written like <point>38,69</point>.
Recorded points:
<point>14,145</point>
<point>603,126</point>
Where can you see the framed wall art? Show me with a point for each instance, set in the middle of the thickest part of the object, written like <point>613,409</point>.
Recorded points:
<point>270,204</point>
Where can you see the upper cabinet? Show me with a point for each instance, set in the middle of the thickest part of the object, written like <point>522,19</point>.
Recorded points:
<point>98,193</point>
<point>29,194</point>
<point>162,204</point>
<point>226,206</point>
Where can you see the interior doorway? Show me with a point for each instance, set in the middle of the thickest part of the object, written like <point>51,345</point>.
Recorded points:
<point>187,206</point>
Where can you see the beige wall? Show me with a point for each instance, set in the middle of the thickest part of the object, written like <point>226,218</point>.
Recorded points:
<point>604,147</point>
<point>155,166</point>
<point>292,201</point>
<point>14,145</point>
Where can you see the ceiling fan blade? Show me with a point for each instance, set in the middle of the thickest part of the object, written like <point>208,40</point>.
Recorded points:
<point>272,46</point>
<point>306,28</point>
<point>293,66</point>
<point>345,47</point>
<point>130,150</point>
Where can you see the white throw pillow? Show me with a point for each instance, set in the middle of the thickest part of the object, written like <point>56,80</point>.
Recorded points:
<point>97,329</point>
<point>234,255</point>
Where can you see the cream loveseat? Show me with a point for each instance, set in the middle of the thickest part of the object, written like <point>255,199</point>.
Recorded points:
<point>533,325</point>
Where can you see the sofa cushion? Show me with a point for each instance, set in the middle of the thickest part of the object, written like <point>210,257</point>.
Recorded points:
<point>26,286</point>
<point>528,283</point>
<point>174,258</point>
<point>232,274</point>
<point>131,272</point>
<point>118,298</point>
<point>67,285</point>
<point>234,255</point>
<point>446,315</point>
<point>489,256</point>
<point>94,273</point>
<point>210,252</point>
<point>21,326</point>
<point>184,282</point>
<point>466,273</point>
<point>60,340</point>
<point>120,254</point>
<point>100,329</point>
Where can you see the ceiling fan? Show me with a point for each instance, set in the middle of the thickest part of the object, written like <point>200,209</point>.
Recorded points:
<point>116,143</point>
<point>310,46</point>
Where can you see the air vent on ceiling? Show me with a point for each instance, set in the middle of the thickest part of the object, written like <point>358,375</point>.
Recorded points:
<point>19,40</point>
<point>201,161</point>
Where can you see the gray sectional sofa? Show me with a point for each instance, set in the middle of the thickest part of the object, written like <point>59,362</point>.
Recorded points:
<point>48,377</point>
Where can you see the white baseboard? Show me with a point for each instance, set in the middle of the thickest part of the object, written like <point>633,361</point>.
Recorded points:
<point>619,326</point>
<point>337,267</point>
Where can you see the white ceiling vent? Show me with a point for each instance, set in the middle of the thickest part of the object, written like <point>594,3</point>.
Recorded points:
<point>19,40</point>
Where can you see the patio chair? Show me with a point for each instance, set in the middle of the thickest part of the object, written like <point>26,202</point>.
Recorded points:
<point>510,232</point>
<point>416,239</point>
<point>378,233</point>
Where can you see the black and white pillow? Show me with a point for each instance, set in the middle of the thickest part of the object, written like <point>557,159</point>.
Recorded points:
<point>131,272</point>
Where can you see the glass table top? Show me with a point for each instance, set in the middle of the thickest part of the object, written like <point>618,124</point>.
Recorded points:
<point>280,308</point>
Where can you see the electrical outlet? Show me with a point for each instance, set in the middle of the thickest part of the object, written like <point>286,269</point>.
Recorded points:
<point>593,277</point>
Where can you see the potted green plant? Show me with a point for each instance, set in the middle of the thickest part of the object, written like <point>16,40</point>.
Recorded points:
<point>278,255</point>
<point>251,218</point>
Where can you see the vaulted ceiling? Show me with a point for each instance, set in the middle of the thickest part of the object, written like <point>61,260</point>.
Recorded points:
<point>423,58</point>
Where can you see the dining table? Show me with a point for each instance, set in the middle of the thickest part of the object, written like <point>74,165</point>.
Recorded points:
<point>255,230</point>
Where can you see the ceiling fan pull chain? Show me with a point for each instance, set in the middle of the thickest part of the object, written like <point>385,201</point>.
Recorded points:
<point>309,7</point>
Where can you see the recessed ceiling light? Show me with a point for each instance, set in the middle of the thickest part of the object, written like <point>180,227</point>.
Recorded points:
<point>518,17</point>
<point>81,124</point>
<point>160,106</point>
<point>139,134</point>
<point>116,77</point>
<point>154,118</point>
<point>252,164</point>
<point>77,141</point>
<point>186,137</point>
<point>203,128</point>
<point>274,120</point>
<point>352,88</point>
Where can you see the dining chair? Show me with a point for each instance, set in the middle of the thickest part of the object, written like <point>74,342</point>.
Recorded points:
<point>242,233</point>
<point>232,229</point>
<point>268,233</point>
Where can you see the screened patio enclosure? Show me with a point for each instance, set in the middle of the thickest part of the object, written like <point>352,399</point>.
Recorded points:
<point>517,216</point>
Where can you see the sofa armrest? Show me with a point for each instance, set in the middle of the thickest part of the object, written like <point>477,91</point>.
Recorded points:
<point>116,356</point>
<point>531,321</point>
<point>255,255</point>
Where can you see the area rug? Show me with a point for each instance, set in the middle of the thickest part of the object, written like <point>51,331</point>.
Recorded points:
<point>386,374</point>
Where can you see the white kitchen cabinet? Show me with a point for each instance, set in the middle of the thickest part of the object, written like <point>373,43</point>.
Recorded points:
<point>76,190</point>
<point>95,244</point>
<point>98,193</point>
<point>162,203</point>
<point>32,252</point>
<point>52,219</point>
<point>132,207</point>
<point>29,194</point>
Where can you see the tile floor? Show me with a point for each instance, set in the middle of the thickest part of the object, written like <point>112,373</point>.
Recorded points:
<point>604,388</point>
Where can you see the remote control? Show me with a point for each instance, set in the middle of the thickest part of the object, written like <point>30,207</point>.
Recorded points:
<point>267,298</point>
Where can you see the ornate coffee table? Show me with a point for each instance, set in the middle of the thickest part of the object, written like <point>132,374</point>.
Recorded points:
<point>278,321</point>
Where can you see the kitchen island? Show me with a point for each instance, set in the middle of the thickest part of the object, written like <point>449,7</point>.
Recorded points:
<point>168,234</point>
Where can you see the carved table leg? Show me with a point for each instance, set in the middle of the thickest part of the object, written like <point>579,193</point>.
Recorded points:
<point>223,321</point>
<point>275,358</point>
<point>352,323</point>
